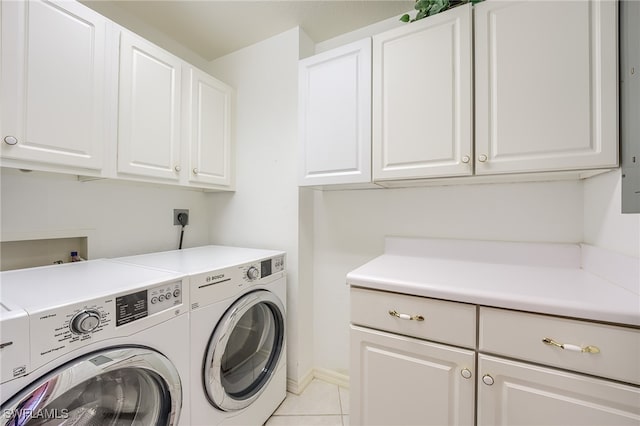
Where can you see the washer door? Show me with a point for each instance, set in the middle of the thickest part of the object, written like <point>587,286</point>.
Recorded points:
<point>123,386</point>
<point>244,350</point>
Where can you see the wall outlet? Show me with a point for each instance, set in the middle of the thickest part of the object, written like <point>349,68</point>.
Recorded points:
<point>176,212</point>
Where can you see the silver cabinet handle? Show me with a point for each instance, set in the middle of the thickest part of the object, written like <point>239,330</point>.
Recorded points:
<point>488,380</point>
<point>177,168</point>
<point>408,317</point>
<point>10,140</point>
<point>570,347</point>
<point>466,373</point>
<point>482,158</point>
<point>466,159</point>
<point>196,171</point>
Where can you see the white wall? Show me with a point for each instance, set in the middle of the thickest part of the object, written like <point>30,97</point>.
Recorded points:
<point>604,225</point>
<point>120,218</point>
<point>263,212</point>
<point>350,227</point>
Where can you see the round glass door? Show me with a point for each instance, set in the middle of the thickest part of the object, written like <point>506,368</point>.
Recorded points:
<point>244,350</point>
<point>126,386</point>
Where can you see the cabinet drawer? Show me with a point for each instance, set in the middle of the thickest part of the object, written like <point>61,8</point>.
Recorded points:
<point>447,322</point>
<point>520,335</point>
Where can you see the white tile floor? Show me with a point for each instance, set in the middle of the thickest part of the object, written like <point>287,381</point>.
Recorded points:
<point>321,404</point>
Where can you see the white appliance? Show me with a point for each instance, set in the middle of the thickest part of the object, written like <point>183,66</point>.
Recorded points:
<point>238,338</point>
<point>96,342</point>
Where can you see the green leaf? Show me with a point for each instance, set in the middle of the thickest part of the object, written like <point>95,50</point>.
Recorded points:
<point>437,8</point>
<point>423,4</point>
<point>422,14</point>
<point>405,17</point>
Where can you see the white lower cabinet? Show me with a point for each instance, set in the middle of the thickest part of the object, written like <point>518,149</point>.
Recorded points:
<point>516,393</point>
<point>398,380</point>
<point>532,369</point>
<point>402,380</point>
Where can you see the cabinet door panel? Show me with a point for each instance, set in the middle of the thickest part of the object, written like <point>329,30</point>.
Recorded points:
<point>524,394</point>
<point>545,100</point>
<point>397,380</point>
<point>53,85</point>
<point>422,98</point>
<point>149,119</point>
<point>335,116</point>
<point>210,130</point>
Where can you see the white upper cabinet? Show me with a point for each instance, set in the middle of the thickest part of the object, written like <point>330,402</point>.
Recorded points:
<point>546,85</point>
<point>335,116</point>
<point>208,127</point>
<point>149,110</point>
<point>422,98</point>
<point>174,120</point>
<point>54,86</point>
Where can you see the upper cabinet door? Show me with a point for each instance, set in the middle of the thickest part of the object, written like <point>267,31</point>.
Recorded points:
<point>422,104</point>
<point>209,129</point>
<point>53,84</point>
<point>335,116</point>
<point>546,85</point>
<point>149,110</point>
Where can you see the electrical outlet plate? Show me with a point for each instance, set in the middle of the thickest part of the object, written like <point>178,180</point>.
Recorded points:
<point>176,212</point>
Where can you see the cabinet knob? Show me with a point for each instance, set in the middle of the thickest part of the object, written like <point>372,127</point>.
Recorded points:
<point>195,171</point>
<point>482,158</point>
<point>177,168</point>
<point>466,373</point>
<point>466,159</point>
<point>487,380</point>
<point>10,140</point>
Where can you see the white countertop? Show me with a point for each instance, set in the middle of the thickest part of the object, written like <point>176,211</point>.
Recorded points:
<point>559,279</point>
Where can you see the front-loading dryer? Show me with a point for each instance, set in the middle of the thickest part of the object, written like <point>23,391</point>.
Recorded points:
<point>101,343</point>
<point>237,330</point>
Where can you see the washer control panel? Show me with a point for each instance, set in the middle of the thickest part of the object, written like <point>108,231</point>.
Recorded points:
<point>57,331</point>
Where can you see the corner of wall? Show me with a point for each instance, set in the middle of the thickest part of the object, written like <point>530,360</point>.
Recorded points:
<point>604,224</point>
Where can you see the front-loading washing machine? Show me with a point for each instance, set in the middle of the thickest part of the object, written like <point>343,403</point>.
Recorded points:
<point>237,330</point>
<point>94,343</point>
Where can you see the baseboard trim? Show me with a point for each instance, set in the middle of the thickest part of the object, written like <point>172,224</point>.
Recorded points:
<point>329,376</point>
<point>296,387</point>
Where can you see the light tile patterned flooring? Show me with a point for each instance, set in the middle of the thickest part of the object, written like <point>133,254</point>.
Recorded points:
<point>321,404</point>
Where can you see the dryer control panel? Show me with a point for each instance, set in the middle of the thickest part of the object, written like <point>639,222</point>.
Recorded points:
<point>210,287</point>
<point>57,331</point>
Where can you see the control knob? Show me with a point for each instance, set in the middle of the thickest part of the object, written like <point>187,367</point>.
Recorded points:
<point>252,273</point>
<point>85,321</point>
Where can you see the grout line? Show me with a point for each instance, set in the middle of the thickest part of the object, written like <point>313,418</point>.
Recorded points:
<point>340,401</point>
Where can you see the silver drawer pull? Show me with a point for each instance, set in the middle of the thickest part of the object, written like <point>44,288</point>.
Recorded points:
<point>4,345</point>
<point>406,316</point>
<point>570,347</point>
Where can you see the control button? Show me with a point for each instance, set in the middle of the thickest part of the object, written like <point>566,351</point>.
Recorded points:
<point>154,300</point>
<point>167,295</point>
<point>253,273</point>
<point>85,321</point>
<point>176,292</point>
<point>161,298</point>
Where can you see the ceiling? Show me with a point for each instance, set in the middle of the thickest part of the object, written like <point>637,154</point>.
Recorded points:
<point>212,28</point>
